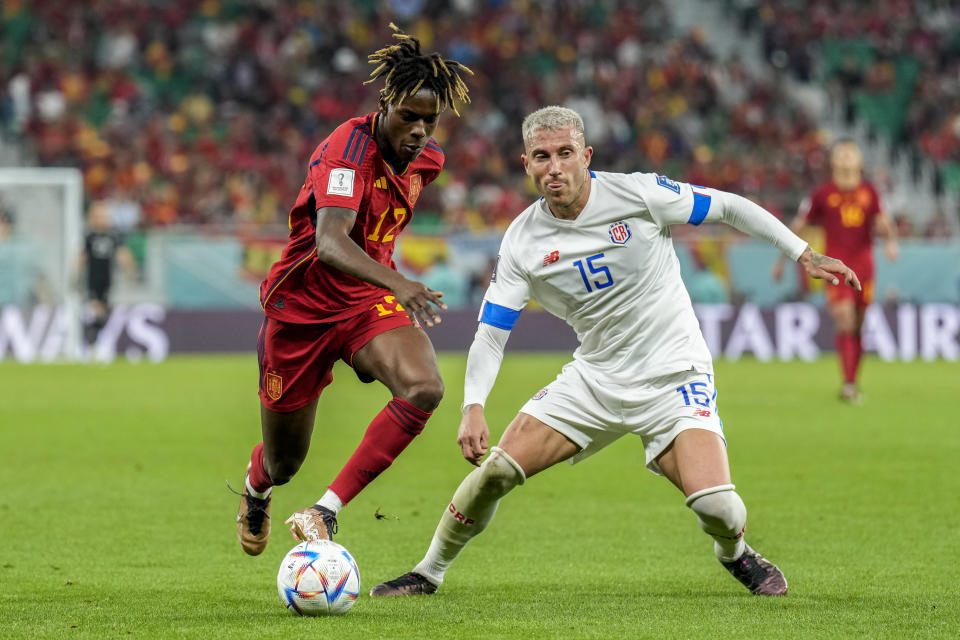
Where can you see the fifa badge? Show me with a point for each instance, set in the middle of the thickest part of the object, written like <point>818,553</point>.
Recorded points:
<point>667,183</point>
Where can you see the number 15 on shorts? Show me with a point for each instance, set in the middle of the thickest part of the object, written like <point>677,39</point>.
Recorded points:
<point>695,393</point>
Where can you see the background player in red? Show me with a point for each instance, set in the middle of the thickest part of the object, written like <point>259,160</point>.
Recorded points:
<point>848,210</point>
<point>335,292</point>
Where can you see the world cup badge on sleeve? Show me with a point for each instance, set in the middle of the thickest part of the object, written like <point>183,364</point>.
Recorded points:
<point>274,386</point>
<point>619,232</point>
<point>667,183</point>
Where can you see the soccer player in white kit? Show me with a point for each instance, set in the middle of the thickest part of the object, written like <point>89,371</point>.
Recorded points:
<point>596,251</point>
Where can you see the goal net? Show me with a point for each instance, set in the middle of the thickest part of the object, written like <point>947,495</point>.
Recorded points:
<point>41,238</point>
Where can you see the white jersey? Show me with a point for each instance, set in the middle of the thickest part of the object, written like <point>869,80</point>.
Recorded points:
<point>612,274</point>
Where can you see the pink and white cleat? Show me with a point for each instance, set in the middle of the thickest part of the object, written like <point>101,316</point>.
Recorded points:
<point>758,574</point>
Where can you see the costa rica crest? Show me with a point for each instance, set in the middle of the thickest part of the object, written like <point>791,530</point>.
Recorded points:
<point>619,232</point>
<point>416,186</point>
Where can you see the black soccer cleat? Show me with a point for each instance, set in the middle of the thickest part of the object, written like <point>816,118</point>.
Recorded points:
<point>756,573</point>
<point>409,584</point>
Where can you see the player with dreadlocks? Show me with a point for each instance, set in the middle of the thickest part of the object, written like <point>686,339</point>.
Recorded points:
<point>335,292</point>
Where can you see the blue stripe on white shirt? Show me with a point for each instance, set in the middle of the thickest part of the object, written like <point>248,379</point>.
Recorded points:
<point>499,317</point>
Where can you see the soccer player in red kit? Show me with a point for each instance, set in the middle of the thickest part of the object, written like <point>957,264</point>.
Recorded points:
<point>336,294</point>
<point>848,210</point>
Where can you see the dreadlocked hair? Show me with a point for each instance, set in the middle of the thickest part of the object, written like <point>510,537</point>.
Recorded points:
<point>407,70</point>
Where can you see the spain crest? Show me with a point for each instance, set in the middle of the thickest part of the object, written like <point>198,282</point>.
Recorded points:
<point>416,185</point>
<point>274,384</point>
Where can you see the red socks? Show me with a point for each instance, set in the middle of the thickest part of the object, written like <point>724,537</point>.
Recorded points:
<point>849,350</point>
<point>259,479</point>
<point>857,353</point>
<point>386,437</point>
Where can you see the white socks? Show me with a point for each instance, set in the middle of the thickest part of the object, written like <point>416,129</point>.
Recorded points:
<point>256,494</point>
<point>723,515</point>
<point>331,501</point>
<point>471,510</point>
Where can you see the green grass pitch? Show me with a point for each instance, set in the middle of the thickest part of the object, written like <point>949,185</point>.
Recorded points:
<point>115,521</point>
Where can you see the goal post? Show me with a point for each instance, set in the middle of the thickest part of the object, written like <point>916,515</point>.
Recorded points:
<point>41,213</point>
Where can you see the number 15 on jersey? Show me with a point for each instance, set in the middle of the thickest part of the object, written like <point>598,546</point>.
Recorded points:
<point>594,269</point>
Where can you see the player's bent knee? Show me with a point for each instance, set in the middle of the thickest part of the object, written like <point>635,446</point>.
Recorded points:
<point>720,510</point>
<point>425,395</point>
<point>500,473</point>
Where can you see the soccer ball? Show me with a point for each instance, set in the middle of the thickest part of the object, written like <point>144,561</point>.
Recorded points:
<point>318,579</point>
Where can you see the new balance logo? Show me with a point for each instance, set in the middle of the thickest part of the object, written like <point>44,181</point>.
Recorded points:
<point>551,257</point>
<point>702,413</point>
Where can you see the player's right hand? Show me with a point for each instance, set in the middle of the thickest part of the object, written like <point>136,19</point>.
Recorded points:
<point>473,435</point>
<point>826,268</point>
<point>419,301</point>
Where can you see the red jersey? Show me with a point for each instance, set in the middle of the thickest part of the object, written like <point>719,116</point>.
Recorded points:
<point>847,219</point>
<point>346,170</point>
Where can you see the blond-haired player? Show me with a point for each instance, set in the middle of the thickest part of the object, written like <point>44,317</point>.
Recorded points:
<point>596,251</point>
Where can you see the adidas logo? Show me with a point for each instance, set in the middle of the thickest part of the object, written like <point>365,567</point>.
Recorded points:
<point>278,303</point>
<point>369,476</point>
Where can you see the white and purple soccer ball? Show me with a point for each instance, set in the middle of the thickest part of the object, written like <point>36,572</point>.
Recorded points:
<point>318,579</point>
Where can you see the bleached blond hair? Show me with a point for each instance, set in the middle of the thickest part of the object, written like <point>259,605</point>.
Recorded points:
<point>551,118</point>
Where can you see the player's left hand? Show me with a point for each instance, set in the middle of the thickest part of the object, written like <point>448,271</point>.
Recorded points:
<point>419,301</point>
<point>826,268</point>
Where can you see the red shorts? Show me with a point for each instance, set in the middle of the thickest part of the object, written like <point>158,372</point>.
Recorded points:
<point>840,292</point>
<point>296,360</point>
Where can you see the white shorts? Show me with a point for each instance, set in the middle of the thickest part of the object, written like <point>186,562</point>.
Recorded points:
<point>594,413</point>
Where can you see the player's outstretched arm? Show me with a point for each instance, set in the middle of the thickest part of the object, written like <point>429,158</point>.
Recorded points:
<point>336,248</point>
<point>753,219</point>
<point>826,268</point>
<point>798,226</point>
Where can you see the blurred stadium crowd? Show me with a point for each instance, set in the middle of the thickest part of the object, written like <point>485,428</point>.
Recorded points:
<point>892,63</point>
<point>186,111</point>
<point>203,114</point>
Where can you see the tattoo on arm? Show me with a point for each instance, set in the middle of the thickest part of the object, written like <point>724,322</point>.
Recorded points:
<point>820,260</point>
